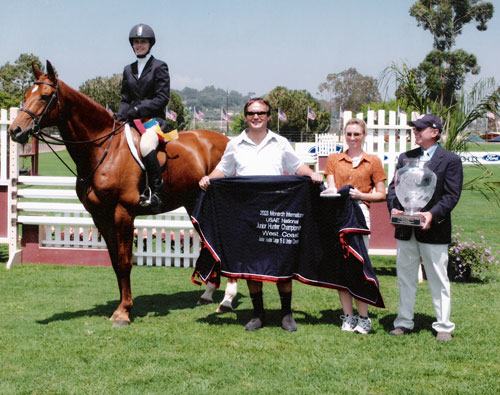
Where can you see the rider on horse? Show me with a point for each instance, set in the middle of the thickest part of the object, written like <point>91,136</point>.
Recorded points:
<point>145,93</point>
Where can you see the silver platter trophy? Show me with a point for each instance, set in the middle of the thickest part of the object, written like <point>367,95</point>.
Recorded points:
<point>415,184</point>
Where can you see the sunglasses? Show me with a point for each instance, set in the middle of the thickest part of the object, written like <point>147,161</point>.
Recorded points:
<point>353,134</point>
<point>259,113</point>
<point>419,129</point>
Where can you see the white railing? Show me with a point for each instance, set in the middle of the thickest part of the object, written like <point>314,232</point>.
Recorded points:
<point>166,239</point>
<point>6,118</point>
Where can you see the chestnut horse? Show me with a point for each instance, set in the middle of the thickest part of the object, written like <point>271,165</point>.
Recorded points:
<point>108,178</point>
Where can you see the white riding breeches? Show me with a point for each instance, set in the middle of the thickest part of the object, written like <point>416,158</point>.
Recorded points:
<point>149,142</point>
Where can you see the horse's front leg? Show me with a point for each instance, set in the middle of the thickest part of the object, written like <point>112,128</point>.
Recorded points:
<point>118,233</point>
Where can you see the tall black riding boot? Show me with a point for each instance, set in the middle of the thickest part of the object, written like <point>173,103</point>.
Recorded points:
<point>151,197</point>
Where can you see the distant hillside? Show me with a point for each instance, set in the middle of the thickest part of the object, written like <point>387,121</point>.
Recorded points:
<point>210,100</point>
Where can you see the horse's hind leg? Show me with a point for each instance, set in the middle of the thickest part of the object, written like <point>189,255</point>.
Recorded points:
<point>118,233</point>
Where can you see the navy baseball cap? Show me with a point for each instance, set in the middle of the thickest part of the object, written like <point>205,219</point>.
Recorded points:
<point>428,120</point>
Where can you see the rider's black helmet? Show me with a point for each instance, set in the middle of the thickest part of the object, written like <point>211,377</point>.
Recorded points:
<point>142,31</point>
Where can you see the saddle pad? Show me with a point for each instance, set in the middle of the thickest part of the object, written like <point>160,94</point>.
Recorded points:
<point>162,136</point>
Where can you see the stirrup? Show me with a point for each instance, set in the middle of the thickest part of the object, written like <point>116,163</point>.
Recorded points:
<point>145,198</point>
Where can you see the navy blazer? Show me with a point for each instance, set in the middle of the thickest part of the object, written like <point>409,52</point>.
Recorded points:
<point>448,168</point>
<point>149,94</point>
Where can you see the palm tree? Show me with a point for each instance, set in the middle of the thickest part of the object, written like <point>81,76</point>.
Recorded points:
<point>412,95</point>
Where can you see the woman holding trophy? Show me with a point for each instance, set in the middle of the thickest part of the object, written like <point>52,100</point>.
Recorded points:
<point>365,174</point>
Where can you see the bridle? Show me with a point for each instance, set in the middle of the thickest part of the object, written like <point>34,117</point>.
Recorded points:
<point>37,119</point>
<point>40,135</point>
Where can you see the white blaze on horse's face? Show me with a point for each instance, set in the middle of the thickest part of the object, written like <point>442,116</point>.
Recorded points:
<point>35,88</point>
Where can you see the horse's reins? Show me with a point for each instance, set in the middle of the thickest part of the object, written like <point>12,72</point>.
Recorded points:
<point>39,135</point>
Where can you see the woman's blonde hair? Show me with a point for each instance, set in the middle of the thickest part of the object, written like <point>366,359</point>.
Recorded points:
<point>356,121</point>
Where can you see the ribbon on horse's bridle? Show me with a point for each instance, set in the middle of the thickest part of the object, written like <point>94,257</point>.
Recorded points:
<point>39,135</point>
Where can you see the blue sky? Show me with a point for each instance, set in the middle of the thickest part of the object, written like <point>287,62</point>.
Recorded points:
<point>248,46</point>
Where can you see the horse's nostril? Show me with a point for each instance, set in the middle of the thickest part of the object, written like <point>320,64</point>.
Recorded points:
<point>19,136</point>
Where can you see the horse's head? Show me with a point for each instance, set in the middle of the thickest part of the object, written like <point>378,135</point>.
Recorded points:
<point>40,106</point>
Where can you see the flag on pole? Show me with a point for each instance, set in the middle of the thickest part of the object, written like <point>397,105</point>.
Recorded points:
<point>490,115</point>
<point>281,115</point>
<point>198,115</point>
<point>225,115</point>
<point>172,115</point>
<point>311,114</point>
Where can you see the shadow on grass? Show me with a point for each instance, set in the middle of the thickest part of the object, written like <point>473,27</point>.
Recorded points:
<point>157,304</point>
<point>4,254</point>
<point>423,322</point>
<point>385,271</point>
<point>272,317</point>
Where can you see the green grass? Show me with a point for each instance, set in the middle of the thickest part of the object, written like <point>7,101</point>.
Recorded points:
<point>50,165</point>
<point>475,215</point>
<point>483,147</point>
<point>56,339</point>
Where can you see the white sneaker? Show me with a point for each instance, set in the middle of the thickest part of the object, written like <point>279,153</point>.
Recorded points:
<point>349,322</point>
<point>363,326</point>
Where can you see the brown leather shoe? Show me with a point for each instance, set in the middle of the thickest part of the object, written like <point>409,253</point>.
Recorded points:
<point>254,324</point>
<point>288,323</point>
<point>400,331</point>
<point>443,337</point>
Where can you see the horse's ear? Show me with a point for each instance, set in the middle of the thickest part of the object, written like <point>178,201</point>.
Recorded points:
<point>51,72</point>
<point>36,70</point>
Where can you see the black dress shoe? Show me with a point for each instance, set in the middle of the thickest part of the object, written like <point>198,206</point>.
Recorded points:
<point>254,324</point>
<point>288,323</point>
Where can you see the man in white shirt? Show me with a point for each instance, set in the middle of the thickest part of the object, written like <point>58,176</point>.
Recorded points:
<point>259,151</point>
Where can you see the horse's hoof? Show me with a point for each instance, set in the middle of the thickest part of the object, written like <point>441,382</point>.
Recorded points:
<point>121,324</point>
<point>224,308</point>
<point>203,301</point>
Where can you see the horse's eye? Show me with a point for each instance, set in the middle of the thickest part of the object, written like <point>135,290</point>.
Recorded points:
<point>45,97</point>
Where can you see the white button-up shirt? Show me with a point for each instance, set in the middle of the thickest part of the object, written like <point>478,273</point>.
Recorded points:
<point>274,156</point>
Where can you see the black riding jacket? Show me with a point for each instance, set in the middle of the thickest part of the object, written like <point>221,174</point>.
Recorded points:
<point>147,96</point>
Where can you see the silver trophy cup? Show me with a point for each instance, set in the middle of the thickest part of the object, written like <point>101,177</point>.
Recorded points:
<point>415,184</point>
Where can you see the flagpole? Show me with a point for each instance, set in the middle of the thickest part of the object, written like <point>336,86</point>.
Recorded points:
<point>278,119</point>
<point>194,117</point>
<point>307,124</point>
<point>227,112</point>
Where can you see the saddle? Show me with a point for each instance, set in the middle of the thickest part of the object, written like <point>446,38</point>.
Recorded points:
<point>164,137</point>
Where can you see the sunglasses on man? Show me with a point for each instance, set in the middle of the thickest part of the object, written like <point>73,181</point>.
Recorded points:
<point>259,113</point>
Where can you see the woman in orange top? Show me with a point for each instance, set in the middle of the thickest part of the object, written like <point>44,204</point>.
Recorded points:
<point>366,175</point>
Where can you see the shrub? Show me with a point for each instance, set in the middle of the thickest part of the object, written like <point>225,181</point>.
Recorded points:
<point>469,260</point>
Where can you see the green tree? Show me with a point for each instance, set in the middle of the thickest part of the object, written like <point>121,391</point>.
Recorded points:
<point>391,105</point>
<point>238,123</point>
<point>175,104</point>
<point>349,89</point>
<point>295,103</point>
<point>15,78</point>
<point>443,70</point>
<point>104,90</point>
<point>470,106</point>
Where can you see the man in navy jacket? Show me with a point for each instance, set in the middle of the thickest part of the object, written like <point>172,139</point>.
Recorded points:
<point>428,243</point>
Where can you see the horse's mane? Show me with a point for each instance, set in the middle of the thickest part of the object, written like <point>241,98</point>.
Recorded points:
<point>87,104</point>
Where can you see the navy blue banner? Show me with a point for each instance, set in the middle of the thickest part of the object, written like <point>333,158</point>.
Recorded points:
<point>276,228</point>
